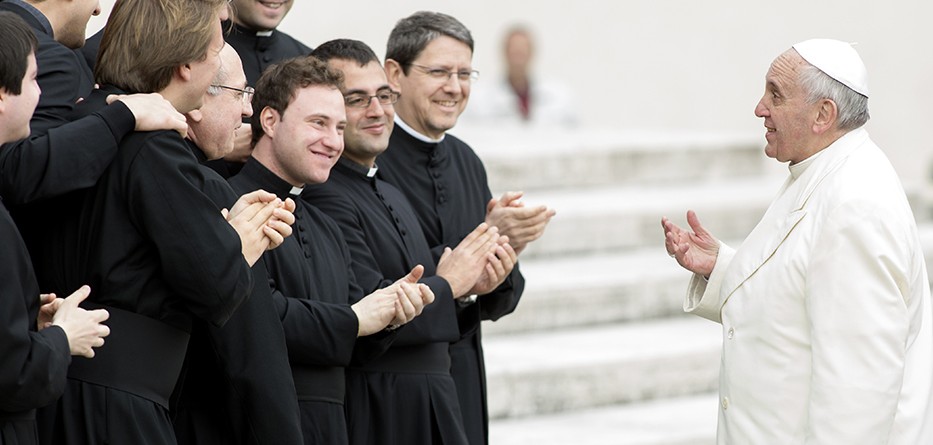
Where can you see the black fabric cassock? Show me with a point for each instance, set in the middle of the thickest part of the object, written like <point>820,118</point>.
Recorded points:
<point>237,386</point>
<point>50,162</point>
<point>407,394</point>
<point>60,155</point>
<point>260,51</point>
<point>32,371</point>
<point>157,253</point>
<point>446,184</point>
<point>312,284</point>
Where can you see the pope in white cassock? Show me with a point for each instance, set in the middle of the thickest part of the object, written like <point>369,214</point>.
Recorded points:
<point>825,308</point>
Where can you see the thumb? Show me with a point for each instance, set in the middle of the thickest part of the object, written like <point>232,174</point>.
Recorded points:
<point>509,197</point>
<point>113,98</point>
<point>491,205</point>
<point>416,273</point>
<point>225,213</point>
<point>446,254</point>
<point>694,222</point>
<point>79,295</point>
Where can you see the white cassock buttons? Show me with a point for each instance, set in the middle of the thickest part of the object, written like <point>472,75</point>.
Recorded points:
<point>725,403</point>
<point>731,333</point>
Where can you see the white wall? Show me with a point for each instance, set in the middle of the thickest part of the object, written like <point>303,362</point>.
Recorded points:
<point>678,64</point>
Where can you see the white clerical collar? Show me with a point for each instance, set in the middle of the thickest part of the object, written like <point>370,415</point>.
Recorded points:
<point>415,134</point>
<point>797,169</point>
<point>372,171</point>
<point>296,191</point>
<point>264,33</point>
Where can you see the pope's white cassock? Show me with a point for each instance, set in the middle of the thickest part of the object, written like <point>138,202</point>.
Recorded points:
<point>825,311</point>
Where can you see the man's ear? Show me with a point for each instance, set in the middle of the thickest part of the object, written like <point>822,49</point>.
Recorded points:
<point>269,118</point>
<point>183,72</point>
<point>826,117</point>
<point>194,116</point>
<point>393,74</point>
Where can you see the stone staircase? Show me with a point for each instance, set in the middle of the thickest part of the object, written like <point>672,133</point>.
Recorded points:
<point>599,350</point>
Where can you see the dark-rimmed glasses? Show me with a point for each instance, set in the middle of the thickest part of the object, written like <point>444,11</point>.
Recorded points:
<point>361,100</point>
<point>442,74</point>
<point>244,94</point>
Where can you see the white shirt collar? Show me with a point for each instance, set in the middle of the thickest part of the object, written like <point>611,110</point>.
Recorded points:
<point>415,134</point>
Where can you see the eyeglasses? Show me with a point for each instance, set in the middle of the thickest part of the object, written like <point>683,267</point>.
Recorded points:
<point>244,94</point>
<point>442,74</point>
<point>360,100</point>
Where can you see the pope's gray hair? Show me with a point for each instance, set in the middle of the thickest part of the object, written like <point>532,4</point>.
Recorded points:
<point>852,106</point>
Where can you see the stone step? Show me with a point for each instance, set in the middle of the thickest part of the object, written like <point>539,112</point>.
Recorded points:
<point>526,159</point>
<point>567,370</point>
<point>609,219</point>
<point>674,421</point>
<point>597,289</point>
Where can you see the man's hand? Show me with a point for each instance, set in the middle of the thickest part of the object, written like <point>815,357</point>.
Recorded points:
<point>279,225</point>
<point>498,267</point>
<point>396,304</point>
<point>242,145</point>
<point>82,327</point>
<point>463,266</point>
<point>521,224</point>
<point>696,251</point>
<point>152,112</point>
<point>49,303</point>
<point>250,217</point>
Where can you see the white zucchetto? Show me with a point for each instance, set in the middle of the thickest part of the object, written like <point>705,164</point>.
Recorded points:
<point>838,60</point>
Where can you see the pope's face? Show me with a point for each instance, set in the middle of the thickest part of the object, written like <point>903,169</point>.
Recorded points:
<point>789,119</point>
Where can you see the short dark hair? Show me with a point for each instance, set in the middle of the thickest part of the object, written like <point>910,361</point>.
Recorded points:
<point>345,49</point>
<point>279,83</point>
<point>413,33</point>
<point>17,44</point>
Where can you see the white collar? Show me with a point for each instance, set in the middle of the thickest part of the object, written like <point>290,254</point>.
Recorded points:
<point>415,134</point>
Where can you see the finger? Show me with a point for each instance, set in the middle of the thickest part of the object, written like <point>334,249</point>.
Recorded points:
<point>427,295</point>
<point>444,255</point>
<point>98,342</point>
<point>274,237</point>
<point>694,222</point>
<point>289,205</point>
<point>113,98</point>
<point>99,315</point>
<point>89,353</point>
<point>509,253</point>
<point>79,295</point>
<point>416,273</point>
<point>509,197</point>
<point>498,269</point>
<point>225,213</point>
<point>265,212</point>
<point>103,330</point>
<point>408,309</point>
<point>280,227</point>
<point>284,215</point>
<point>45,299</point>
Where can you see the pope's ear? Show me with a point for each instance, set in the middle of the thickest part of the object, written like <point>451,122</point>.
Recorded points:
<point>826,116</point>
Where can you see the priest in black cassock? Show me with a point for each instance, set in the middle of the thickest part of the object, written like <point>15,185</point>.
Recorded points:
<point>156,250</point>
<point>254,33</point>
<point>429,61</point>
<point>297,124</point>
<point>237,385</point>
<point>36,343</point>
<point>406,394</point>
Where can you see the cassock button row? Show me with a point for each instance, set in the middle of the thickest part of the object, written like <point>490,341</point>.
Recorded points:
<point>725,403</point>
<point>404,232</point>
<point>731,333</point>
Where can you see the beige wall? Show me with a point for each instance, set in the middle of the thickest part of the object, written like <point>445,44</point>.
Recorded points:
<point>679,64</point>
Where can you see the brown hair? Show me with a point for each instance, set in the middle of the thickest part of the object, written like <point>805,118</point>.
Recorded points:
<point>146,40</point>
<point>279,83</point>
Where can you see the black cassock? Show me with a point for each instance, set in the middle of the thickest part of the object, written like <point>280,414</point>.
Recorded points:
<point>446,184</point>
<point>237,385</point>
<point>157,254</point>
<point>406,395</point>
<point>259,50</point>
<point>313,286</point>
<point>33,365</point>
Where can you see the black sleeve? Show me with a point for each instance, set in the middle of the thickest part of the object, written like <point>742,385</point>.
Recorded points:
<point>33,365</point>
<point>317,333</point>
<point>200,253</point>
<point>65,158</point>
